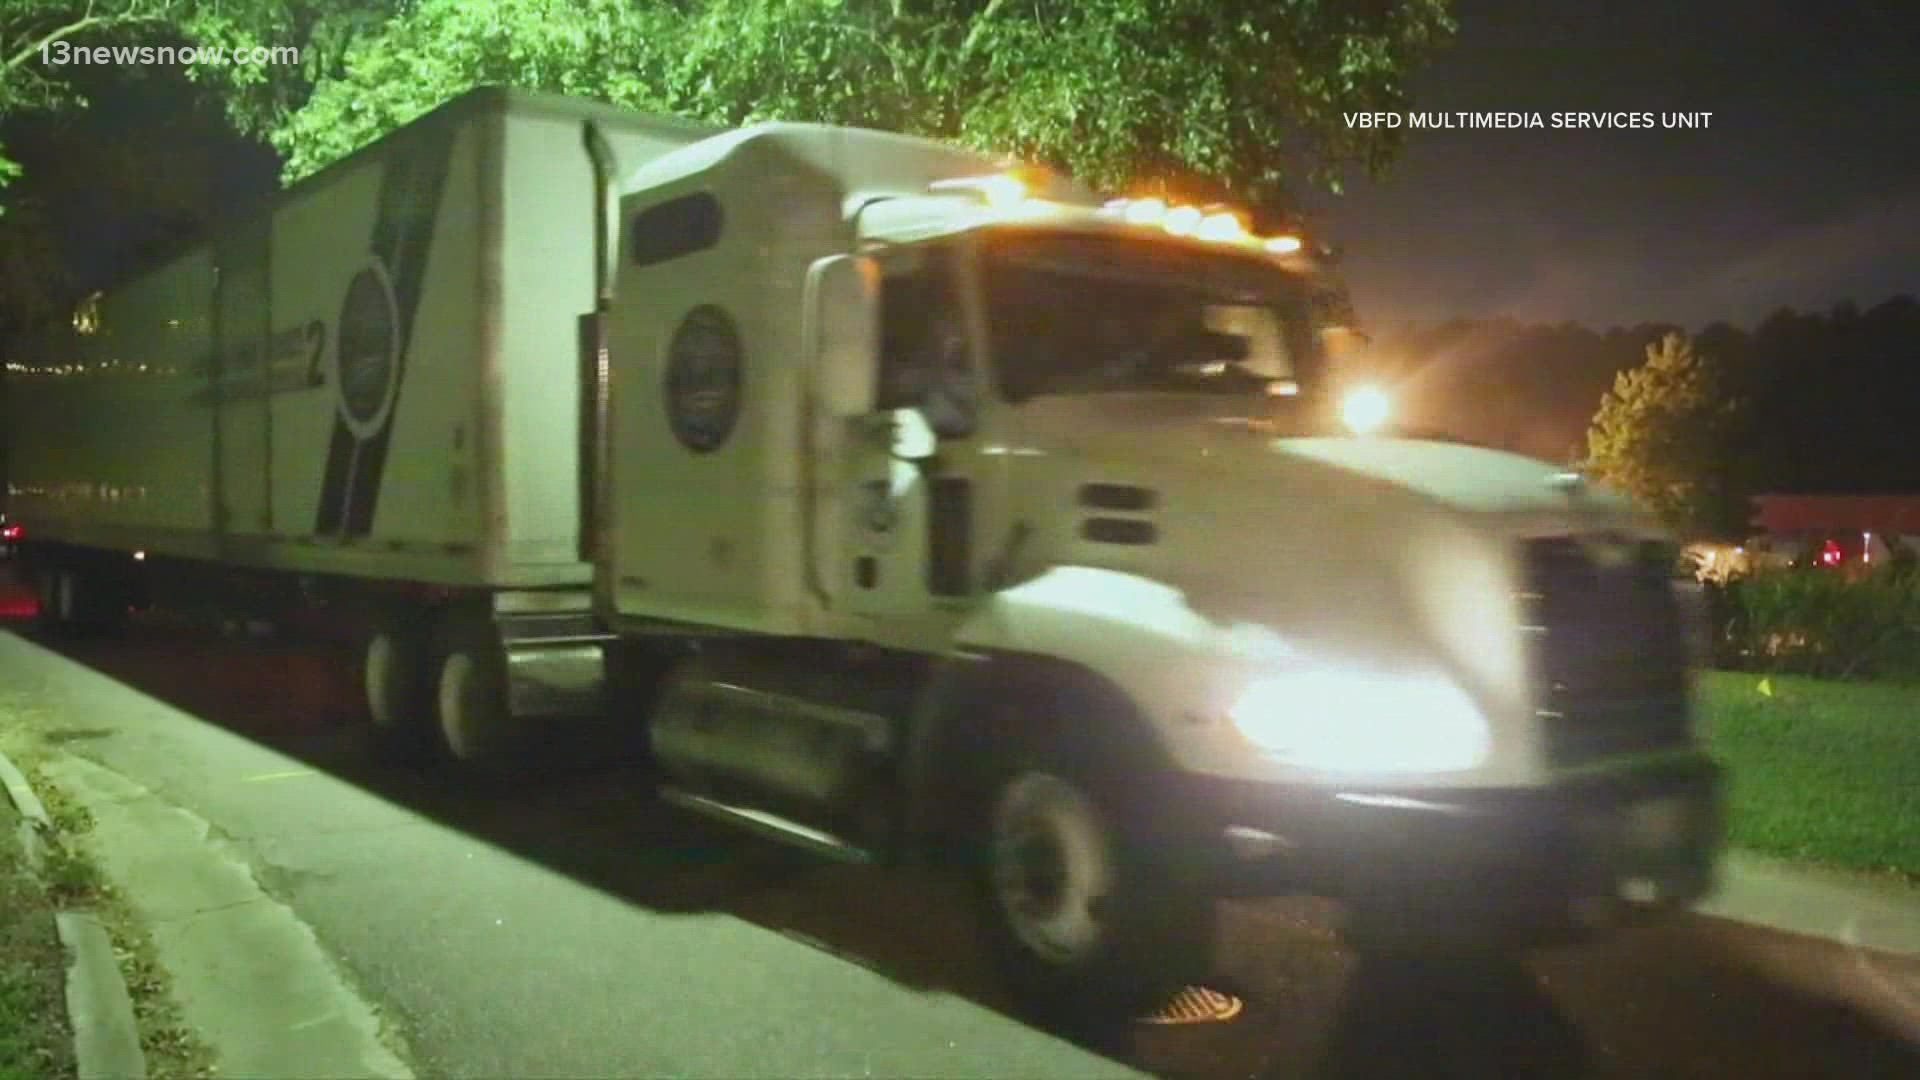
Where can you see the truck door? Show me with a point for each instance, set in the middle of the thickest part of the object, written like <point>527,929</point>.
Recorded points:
<point>911,487</point>
<point>240,392</point>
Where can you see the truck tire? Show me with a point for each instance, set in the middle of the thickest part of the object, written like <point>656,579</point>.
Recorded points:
<point>76,603</point>
<point>398,688</point>
<point>471,718</point>
<point>1087,916</point>
<point>47,586</point>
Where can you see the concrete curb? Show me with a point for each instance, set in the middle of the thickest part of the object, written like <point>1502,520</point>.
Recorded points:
<point>106,1037</point>
<point>1836,905</point>
<point>34,822</point>
<point>22,794</point>
<point>106,1042</point>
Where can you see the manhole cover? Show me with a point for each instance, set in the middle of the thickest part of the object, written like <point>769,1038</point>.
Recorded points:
<point>1197,1005</point>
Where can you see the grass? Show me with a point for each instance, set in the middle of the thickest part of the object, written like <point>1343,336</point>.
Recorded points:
<point>1827,772</point>
<point>34,1039</point>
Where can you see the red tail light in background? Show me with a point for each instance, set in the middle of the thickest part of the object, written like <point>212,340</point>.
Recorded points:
<point>12,532</point>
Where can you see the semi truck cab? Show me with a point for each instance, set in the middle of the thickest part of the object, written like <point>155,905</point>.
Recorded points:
<point>999,521</point>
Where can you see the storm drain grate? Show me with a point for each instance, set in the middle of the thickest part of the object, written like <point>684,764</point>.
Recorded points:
<point>1197,1005</point>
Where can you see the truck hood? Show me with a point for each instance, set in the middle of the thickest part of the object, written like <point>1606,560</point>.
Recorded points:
<point>1397,550</point>
<point>1167,434</point>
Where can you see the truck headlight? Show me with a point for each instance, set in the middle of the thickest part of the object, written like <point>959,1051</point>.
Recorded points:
<point>1332,720</point>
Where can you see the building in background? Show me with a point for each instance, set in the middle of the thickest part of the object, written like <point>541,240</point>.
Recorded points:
<point>1836,530</point>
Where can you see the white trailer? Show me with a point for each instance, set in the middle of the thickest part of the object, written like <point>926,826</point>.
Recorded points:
<point>367,390</point>
<point>940,507</point>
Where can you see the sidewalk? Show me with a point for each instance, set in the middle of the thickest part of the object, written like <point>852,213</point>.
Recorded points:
<point>248,974</point>
<point>244,972</point>
<point>1852,909</point>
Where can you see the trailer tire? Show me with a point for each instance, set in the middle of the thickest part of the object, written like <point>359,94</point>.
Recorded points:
<point>47,584</point>
<point>398,689</point>
<point>1086,915</point>
<point>73,603</point>
<point>470,711</point>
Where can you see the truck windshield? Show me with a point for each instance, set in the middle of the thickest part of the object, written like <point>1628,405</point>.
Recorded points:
<point>1096,314</point>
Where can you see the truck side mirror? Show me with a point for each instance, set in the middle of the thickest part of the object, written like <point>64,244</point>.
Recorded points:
<point>913,438</point>
<point>843,333</point>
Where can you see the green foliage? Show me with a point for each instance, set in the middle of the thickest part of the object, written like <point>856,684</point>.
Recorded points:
<point>260,97</point>
<point>1215,98</point>
<point>9,172</point>
<point>612,50</point>
<point>1237,99</point>
<point>32,33</point>
<point>1826,623</point>
<point>1666,436</point>
<point>27,29</point>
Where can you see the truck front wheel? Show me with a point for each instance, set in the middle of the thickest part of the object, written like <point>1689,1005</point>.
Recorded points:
<point>1088,915</point>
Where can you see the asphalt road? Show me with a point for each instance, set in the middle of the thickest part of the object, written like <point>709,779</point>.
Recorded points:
<point>565,924</point>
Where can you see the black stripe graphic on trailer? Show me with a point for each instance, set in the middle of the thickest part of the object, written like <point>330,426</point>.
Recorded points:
<point>375,331</point>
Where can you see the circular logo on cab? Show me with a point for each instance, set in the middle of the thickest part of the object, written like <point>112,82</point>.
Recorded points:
<point>366,355</point>
<point>704,378</point>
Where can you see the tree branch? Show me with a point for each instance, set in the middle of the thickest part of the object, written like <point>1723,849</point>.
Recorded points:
<point>87,21</point>
<point>980,25</point>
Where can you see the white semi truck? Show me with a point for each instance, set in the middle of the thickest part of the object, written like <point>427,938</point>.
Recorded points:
<point>938,508</point>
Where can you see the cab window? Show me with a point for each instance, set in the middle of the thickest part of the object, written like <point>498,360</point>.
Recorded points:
<point>925,357</point>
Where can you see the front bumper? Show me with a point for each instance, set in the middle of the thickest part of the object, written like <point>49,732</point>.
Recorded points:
<point>1438,866</point>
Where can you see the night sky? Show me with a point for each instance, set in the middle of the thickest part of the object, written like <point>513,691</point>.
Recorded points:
<point>1805,190</point>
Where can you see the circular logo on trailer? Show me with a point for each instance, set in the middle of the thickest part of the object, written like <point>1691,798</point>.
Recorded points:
<point>704,379</point>
<point>366,354</point>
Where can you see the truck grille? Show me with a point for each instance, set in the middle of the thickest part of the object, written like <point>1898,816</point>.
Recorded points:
<point>1607,651</point>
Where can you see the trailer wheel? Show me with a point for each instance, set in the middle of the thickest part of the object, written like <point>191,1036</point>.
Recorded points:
<point>48,584</point>
<point>1087,915</point>
<point>75,603</point>
<point>470,701</point>
<point>399,694</point>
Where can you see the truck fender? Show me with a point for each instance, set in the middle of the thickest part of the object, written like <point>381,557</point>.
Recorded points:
<point>954,718</point>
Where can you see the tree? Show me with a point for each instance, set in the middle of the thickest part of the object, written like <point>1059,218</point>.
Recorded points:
<point>610,50</point>
<point>1667,435</point>
<point>39,38</point>
<point>1205,98</point>
<point>142,171</point>
<point>30,31</point>
<point>1237,100</point>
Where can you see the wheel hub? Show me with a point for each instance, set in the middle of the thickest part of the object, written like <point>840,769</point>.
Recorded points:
<point>1051,864</point>
<point>458,722</point>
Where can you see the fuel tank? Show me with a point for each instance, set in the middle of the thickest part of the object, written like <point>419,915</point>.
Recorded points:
<point>761,726</point>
